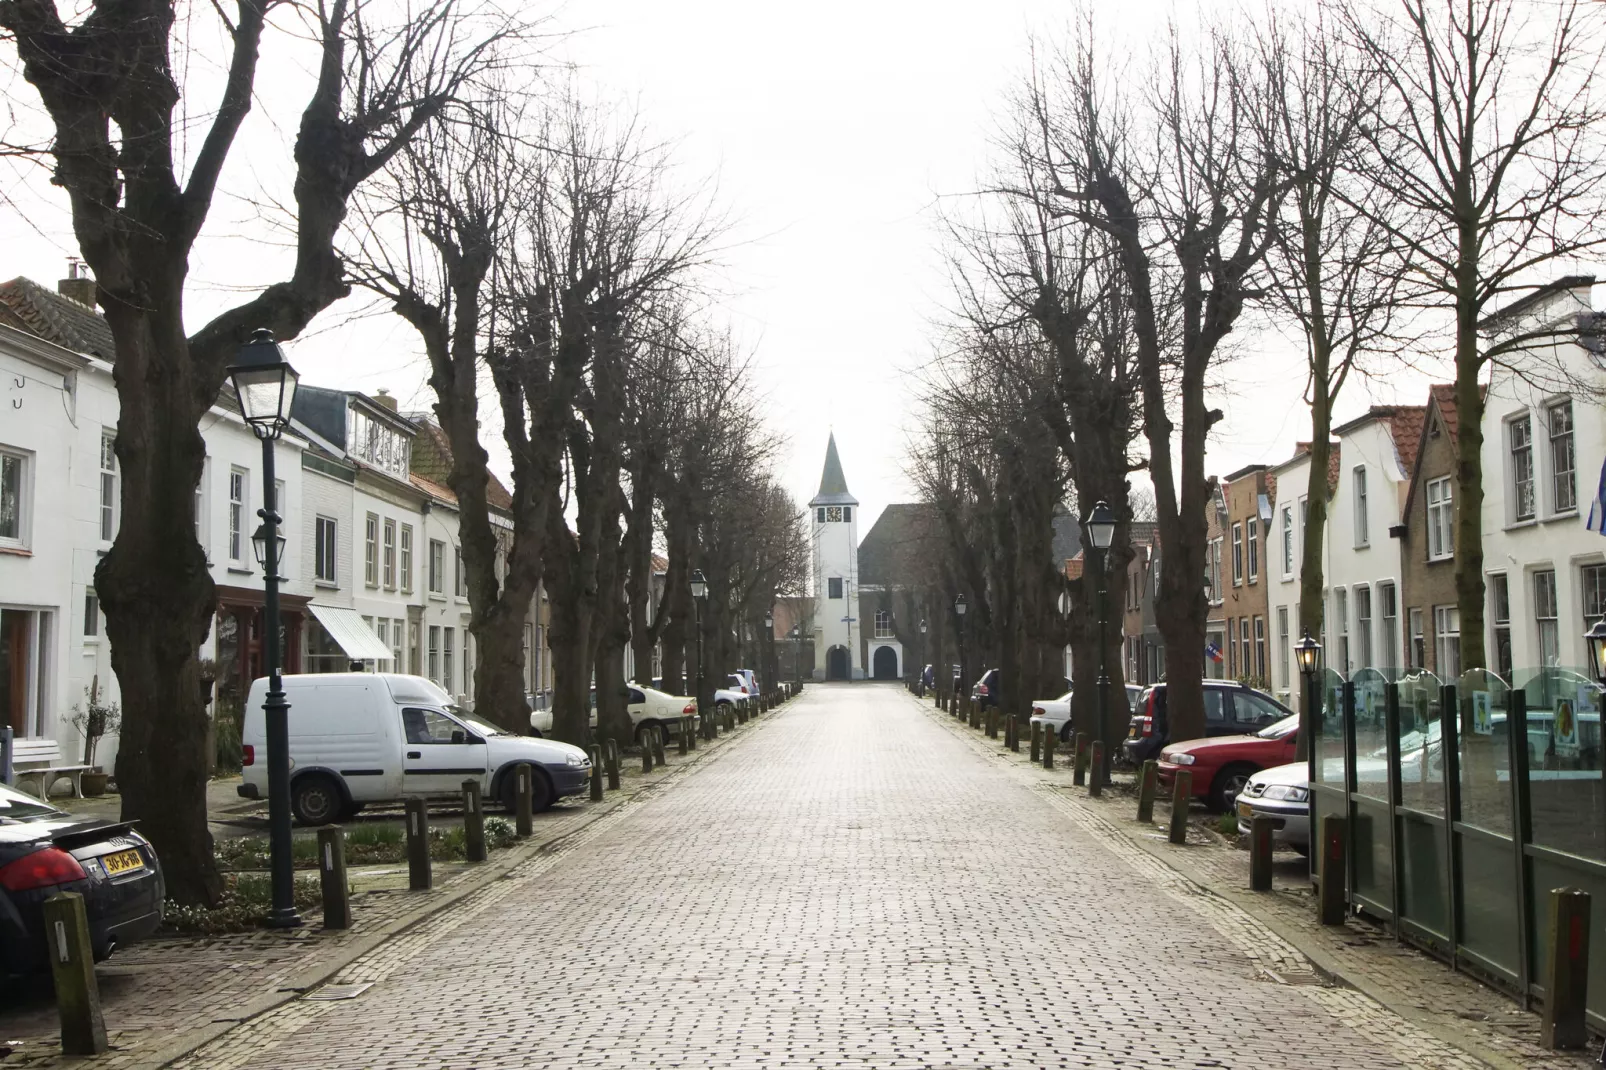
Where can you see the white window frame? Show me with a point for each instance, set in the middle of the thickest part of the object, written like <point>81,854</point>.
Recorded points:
<point>200,508</point>
<point>1439,500</point>
<point>1547,618</point>
<point>326,550</point>
<point>460,575</point>
<point>1563,458</point>
<point>91,628</point>
<point>1237,555</point>
<point>1388,615</point>
<point>23,462</point>
<point>370,550</point>
<point>406,551</point>
<point>1592,586</point>
<point>239,509</point>
<point>390,554</point>
<point>1288,542</point>
<point>437,569</point>
<point>1416,639</point>
<point>448,658</point>
<point>1252,548</point>
<point>1520,465</point>
<point>883,624</point>
<point>1283,647</point>
<point>1260,650</point>
<point>434,665</point>
<point>1363,535</point>
<point>1363,624</point>
<point>1341,616</point>
<point>109,504</point>
<point>1446,641</point>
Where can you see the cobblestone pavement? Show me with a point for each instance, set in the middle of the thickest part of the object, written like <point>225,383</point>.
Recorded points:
<point>850,884</point>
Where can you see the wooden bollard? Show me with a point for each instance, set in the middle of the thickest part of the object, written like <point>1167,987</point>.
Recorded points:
<point>332,877</point>
<point>693,726</point>
<point>72,965</point>
<point>1095,778</point>
<point>1561,1024</point>
<point>1147,785</point>
<point>1050,737</point>
<point>658,745</point>
<point>419,878</point>
<point>644,739</point>
<point>1330,870</point>
<point>596,773</point>
<point>523,800</point>
<point>1079,760</point>
<point>1012,735</point>
<point>1181,799</point>
<point>681,741</point>
<point>610,756</point>
<point>474,820</point>
<point>1260,829</point>
<point>1037,740</point>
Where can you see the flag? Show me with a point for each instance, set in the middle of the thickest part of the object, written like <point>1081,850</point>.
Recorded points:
<point>1597,508</point>
<point>1213,652</point>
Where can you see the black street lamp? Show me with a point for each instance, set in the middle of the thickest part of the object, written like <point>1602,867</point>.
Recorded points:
<point>921,689</point>
<point>265,385</point>
<point>699,595</point>
<point>959,612</point>
<point>771,670</point>
<point>1100,526</point>
<point>797,653</point>
<point>1595,639</point>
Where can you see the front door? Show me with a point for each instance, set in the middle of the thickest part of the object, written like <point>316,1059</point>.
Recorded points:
<point>886,663</point>
<point>836,663</point>
<point>440,754</point>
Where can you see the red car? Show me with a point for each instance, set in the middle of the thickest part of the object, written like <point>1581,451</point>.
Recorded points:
<point>1222,765</point>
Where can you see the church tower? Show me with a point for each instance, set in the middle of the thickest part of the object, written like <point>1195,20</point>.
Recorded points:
<point>836,575</point>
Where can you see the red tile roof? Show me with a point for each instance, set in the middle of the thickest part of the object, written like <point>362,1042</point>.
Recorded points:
<point>1406,425</point>
<point>1073,567</point>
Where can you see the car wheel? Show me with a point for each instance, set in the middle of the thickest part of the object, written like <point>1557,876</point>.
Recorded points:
<point>1228,783</point>
<point>642,729</point>
<point>1066,735</point>
<point>541,794</point>
<point>316,799</point>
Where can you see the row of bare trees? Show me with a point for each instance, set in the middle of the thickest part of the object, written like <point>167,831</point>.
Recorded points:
<point>1382,176</point>
<point>538,247</point>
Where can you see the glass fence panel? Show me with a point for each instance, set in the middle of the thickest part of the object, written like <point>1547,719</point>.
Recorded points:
<point>1328,746</point>
<point>1371,734</point>
<point>1481,736</point>
<point>1564,760</point>
<point>1488,920</point>
<point>1421,744</point>
<point>1422,878</point>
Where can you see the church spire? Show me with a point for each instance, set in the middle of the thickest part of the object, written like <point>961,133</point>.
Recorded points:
<point>833,484</point>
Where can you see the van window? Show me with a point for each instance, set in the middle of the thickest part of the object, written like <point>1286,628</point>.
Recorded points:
<point>1214,712</point>
<point>428,726</point>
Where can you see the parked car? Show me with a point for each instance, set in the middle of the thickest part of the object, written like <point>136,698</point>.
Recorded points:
<point>987,690</point>
<point>358,738</point>
<point>44,851</point>
<point>1231,709</point>
<point>649,707</point>
<point>1056,712</point>
<point>750,679</point>
<point>1283,794</point>
<point>1222,765</point>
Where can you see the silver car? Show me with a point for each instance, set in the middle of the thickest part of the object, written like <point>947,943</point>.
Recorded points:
<point>1283,794</point>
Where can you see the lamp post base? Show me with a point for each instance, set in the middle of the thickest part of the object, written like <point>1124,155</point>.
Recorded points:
<point>285,918</point>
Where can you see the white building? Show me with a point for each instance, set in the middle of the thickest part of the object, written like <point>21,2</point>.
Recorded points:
<point>835,533</point>
<point>1285,545</point>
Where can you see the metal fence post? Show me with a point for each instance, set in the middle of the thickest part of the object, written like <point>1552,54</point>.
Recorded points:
<point>1095,779</point>
<point>1522,834</point>
<point>1037,740</point>
<point>610,756</point>
<point>1330,902</point>
<point>1079,760</point>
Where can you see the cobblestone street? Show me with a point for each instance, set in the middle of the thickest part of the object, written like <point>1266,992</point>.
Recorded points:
<point>849,884</point>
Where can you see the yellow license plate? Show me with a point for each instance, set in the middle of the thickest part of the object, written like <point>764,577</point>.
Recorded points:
<point>122,862</point>
<point>1244,810</point>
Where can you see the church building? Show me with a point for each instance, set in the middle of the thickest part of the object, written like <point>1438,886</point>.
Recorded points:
<point>835,536</point>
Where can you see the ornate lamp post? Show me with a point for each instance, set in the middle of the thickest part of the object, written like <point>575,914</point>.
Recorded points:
<point>265,384</point>
<point>797,653</point>
<point>1595,639</point>
<point>959,612</point>
<point>1100,527</point>
<point>769,648</point>
<point>1307,652</point>
<point>921,689</point>
<point>699,595</point>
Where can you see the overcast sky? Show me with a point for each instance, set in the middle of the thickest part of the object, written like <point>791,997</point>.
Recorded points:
<point>834,132</point>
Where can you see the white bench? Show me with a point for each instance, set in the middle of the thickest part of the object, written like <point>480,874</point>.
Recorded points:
<point>41,759</point>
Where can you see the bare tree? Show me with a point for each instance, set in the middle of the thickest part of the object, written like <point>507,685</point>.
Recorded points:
<point>106,80</point>
<point>1486,136</point>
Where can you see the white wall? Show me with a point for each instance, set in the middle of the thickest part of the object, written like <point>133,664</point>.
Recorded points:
<point>1361,569</point>
<point>836,549</point>
<point>1282,596</point>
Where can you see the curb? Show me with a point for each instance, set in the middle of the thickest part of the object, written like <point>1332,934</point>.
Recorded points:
<point>327,967</point>
<point>1325,965</point>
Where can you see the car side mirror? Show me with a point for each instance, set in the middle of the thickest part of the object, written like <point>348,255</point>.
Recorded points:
<point>459,736</point>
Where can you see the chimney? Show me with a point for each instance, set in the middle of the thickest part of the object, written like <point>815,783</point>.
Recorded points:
<point>384,400</point>
<point>77,285</point>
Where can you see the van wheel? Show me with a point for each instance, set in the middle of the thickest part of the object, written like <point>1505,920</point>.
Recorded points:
<point>316,799</point>
<point>541,794</point>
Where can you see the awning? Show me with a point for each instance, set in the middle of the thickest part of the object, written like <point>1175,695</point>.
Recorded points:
<point>346,627</point>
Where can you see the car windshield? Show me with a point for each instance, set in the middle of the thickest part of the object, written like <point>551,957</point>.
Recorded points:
<point>15,806</point>
<point>479,726</point>
<point>1279,729</point>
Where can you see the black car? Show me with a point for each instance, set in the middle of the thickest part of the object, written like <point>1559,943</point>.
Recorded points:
<point>44,851</point>
<point>1231,709</point>
<point>986,692</point>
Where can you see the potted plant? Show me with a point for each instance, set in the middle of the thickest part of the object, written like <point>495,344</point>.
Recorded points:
<point>94,719</point>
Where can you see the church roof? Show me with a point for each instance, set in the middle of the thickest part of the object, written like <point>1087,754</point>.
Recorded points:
<point>833,484</point>
<point>899,546</point>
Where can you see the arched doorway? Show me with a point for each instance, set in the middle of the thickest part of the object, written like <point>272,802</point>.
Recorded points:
<point>885,663</point>
<point>837,664</point>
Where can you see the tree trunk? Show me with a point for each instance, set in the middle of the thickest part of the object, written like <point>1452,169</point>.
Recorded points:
<point>613,635</point>
<point>1469,589</point>
<point>570,642</point>
<point>1312,581</point>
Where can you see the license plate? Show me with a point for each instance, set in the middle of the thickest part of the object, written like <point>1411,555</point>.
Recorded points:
<point>1244,810</point>
<point>122,862</point>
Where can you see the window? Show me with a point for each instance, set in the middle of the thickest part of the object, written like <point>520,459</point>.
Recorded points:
<point>847,513</point>
<point>1288,541</point>
<point>1214,571</point>
<point>1243,646</point>
<point>370,551</point>
<point>1283,649</point>
<point>396,663</point>
<point>1418,654</point>
<point>1252,538</point>
<point>833,587</point>
<point>91,614</point>
<point>237,536</point>
<point>390,554</point>
<point>1215,713</point>
<point>447,679</point>
<point>435,653</point>
<point>1362,533</point>
<point>1387,595</point>
<point>1563,480</point>
<point>1447,641</point>
<point>1237,555</point>
<point>108,487</point>
<point>1341,620</point>
<point>382,631</point>
<point>1441,540</point>
<point>1363,627</point>
<point>428,728</point>
<point>1304,521</point>
<point>1500,618</point>
<point>381,446</point>
<point>25,670</point>
<point>1519,436</point>
<point>407,559</point>
<point>883,624</point>
<point>1592,582</point>
<point>13,499</point>
<point>325,550</point>
<point>460,575</point>
<point>200,512</point>
<point>437,569</point>
<point>1545,618</point>
<point>819,515</point>
<point>1232,649</point>
<point>1252,709</point>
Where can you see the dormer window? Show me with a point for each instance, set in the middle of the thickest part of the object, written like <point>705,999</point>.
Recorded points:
<point>379,445</point>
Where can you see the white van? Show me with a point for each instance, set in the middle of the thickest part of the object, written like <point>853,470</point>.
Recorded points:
<point>358,738</point>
